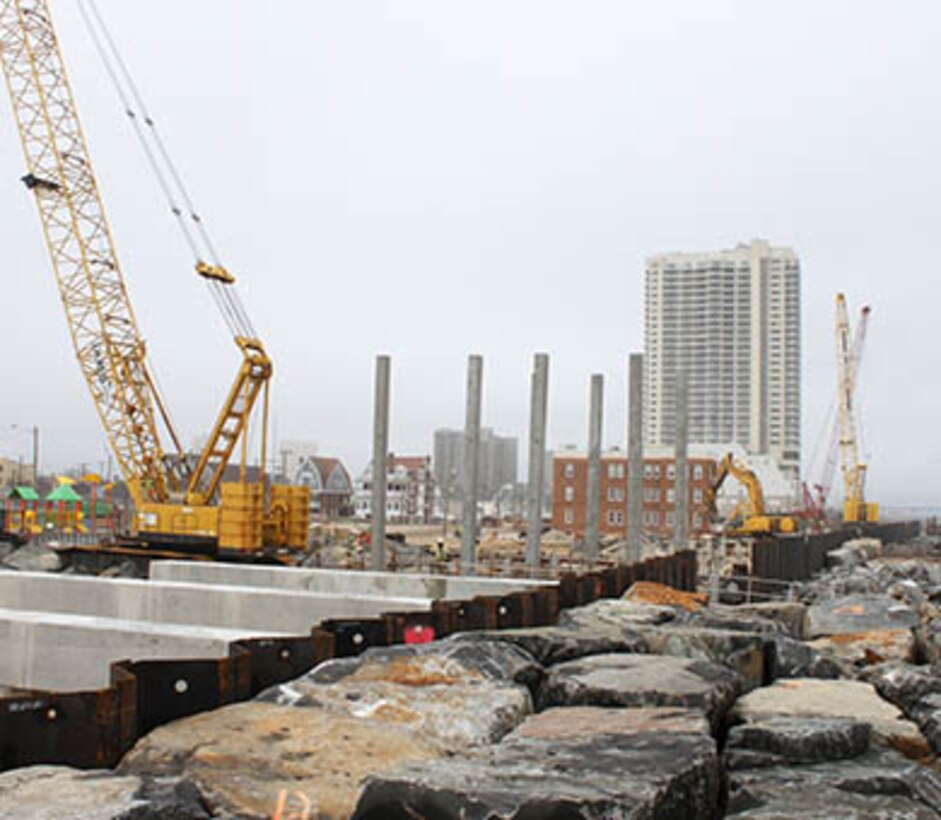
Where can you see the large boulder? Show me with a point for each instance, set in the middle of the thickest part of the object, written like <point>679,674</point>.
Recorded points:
<point>877,784</point>
<point>34,557</point>
<point>618,613</point>
<point>650,592</point>
<point>458,694</point>
<point>828,699</point>
<point>61,793</point>
<point>432,701</point>
<point>447,661</point>
<point>787,740</point>
<point>550,645</point>
<point>248,759</point>
<point>916,690</point>
<point>795,659</point>
<point>745,653</point>
<point>859,649</point>
<point>578,763</point>
<point>858,613</point>
<point>642,680</point>
<point>790,616</point>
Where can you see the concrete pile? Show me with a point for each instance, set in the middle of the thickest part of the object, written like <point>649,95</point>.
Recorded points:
<point>653,706</point>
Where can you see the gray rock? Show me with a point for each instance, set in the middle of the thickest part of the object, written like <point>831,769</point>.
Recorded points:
<point>877,784</point>
<point>793,659</point>
<point>828,699</point>
<point>732,618</point>
<point>550,645</point>
<point>641,680</point>
<point>459,695</point>
<point>606,770</point>
<point>916,690</point>
<point>744,653</point>
<point>619,613</point>
<point>790,615</point>
<point>493,660</point>
<point>928,639</point>
<point>928,717</point>
<point>821,802</point>
<point>61,793</point>
<point>858,613</point>
<point>795,740</point>
<point>904,684</point>
<point>34,557</point>
<point>242,759</point>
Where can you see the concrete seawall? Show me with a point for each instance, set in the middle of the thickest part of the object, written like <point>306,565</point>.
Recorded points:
<point>228,607</point>
<point>341,582</point>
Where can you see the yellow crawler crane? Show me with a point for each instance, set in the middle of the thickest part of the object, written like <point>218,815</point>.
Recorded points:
<point>177,502</point>
<point>855,507</point>
<point>753,518</point>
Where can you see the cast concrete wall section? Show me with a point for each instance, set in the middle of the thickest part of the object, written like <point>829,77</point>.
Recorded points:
<point>232,607</point>
<point>69,652</point>
<point>342,582</point>
<point>596,418</point>
<point>635,461</point>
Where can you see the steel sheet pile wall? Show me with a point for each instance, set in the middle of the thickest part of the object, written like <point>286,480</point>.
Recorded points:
<point>800,557</point>
<point>95,729</point>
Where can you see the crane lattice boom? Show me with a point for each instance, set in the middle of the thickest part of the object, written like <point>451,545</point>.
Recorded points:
<point>104,331</point>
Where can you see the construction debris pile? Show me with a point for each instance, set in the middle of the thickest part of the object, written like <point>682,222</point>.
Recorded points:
<point>655,705</point>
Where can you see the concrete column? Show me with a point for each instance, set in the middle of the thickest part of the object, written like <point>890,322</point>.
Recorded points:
<point>593,506</point>
<point>475,372</point>
<point>538,410</point>
<point>380,454</point>
<point>635,461</point>
<point>681,463</point>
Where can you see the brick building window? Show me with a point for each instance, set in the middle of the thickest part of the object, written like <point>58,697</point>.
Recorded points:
<point>697,472</point>
<point>569,493</point>
<point>569,470</point>
<point>569,516</point>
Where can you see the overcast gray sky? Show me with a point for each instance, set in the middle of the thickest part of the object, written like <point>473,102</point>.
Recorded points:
<point>430,178</point>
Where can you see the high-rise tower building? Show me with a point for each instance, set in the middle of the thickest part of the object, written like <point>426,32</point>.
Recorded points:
<point>498,461</point>
<point>731,320</point>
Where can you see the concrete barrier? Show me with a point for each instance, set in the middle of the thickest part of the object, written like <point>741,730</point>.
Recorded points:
<point>342,582</point>
<point>230,607</point>
<point>46,650</point>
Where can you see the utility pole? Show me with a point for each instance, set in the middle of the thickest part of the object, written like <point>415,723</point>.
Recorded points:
<point>35,455</point>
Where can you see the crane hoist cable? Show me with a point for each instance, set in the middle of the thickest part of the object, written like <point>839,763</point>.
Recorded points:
<point>219,281</point>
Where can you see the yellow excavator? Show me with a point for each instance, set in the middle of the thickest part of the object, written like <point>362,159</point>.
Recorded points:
<point>752,516</point>
<point>180,501</point>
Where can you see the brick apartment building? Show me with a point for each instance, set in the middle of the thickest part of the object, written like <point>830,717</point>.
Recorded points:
<point>570,493</point>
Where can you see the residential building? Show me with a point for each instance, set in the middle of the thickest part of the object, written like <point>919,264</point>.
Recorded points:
<point>410,490</point>
<point>570,492</point>
<point>499,462</point>
<point>13,473</point>
<point>731,320</point>
<point>331,488</point>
